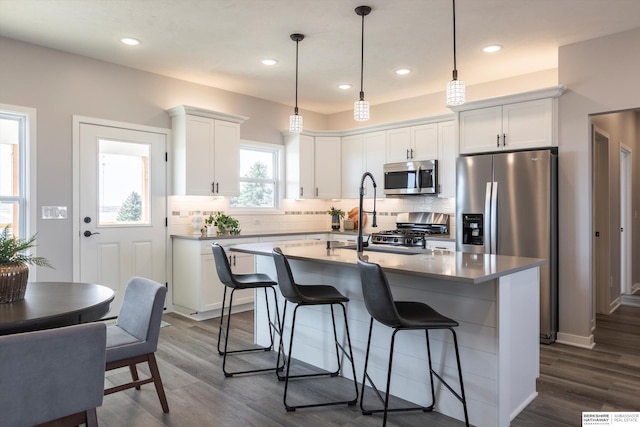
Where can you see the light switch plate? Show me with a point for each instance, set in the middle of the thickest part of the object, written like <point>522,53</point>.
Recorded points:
<point>54,212</point>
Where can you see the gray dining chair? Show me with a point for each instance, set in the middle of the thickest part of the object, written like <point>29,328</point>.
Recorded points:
<point>134,338</point>
<point>53,377</point>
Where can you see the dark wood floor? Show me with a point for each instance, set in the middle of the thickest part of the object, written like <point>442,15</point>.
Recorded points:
<point>572,380</point>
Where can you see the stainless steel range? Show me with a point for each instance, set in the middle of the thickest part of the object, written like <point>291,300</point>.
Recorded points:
<point>413,229</point>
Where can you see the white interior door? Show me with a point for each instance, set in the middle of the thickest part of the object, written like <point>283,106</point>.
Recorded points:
<point>122,206</point>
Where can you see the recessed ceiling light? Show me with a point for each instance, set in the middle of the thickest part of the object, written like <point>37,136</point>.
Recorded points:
<point>402,71</point>
<point>491,48</point>
<point>269,61</point>
<point>344,86</point>
<point>130,41</point>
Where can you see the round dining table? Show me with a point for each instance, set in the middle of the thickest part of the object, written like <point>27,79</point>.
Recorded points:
<point>49,305</point>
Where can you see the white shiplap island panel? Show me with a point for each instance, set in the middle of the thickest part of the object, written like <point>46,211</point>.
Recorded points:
<point>494,298</point>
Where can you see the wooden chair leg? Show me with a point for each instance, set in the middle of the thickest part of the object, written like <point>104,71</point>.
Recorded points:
<point>92,418</point>
<point>157,381</point>
<point>134,374</point>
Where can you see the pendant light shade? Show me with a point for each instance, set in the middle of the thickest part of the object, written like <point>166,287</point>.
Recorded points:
<point>455,88</point>
<point>361,107</point>
<point>295,120</point>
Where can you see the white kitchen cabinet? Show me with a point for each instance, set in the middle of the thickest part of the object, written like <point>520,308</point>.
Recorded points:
<point>528,124</point>
<point>363,153</point>
<point>447,153</point>
<point>312,167</point>
<point>374,160</point>
<point>412,143</point>
<point>197,291</point>
<point>327,167</point>
<point>353,160</point>
<point>206,154</point>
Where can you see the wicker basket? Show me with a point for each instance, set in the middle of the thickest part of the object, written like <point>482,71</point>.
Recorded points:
<point>13,281</point>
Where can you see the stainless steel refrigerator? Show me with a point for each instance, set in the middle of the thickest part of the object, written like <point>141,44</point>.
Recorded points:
<point>507,204</point>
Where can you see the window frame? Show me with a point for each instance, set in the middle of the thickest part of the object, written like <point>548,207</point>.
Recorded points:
<point>278,152</point>
<point>27,171</point>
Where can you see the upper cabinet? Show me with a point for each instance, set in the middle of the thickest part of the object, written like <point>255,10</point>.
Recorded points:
<point>206,154</point>
<point>363,153</point>
<point>412,143</point>
<point>312,166</point>
<point>447,153</point>
<point>510,122</point>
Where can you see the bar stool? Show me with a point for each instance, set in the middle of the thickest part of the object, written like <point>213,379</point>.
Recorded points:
<point>242,281</point>
<point>402,316</point>
<point>309,295</point>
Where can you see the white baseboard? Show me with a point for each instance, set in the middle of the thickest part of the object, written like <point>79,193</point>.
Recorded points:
<point>576,340</point>
<point>632,300</point>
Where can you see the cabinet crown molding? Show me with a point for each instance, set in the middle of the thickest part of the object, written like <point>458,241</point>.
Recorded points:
<point>548,92</point>
<point>201,112</point>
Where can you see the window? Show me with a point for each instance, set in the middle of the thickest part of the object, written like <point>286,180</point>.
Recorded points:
<point>259,176</point>
<point>13,171</point>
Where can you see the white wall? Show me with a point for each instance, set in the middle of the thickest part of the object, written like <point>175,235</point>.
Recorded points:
<point>60,85</point>
<point>599,76</point>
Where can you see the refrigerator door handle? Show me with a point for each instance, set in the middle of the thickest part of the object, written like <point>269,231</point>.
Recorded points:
<point>488,232</point>
<point>494,218</point>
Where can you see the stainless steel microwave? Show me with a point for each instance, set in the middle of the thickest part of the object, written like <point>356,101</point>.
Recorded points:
<point>415,177</point>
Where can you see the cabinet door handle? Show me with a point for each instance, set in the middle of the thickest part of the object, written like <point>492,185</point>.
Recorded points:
<point>504,139</point>
<point>213,187</point>
<point>497,140</point>
<point>411,153</point>
<point>217,187</point>
<point>316,191</point>
<point>301,191</point>
<point>408,154</point>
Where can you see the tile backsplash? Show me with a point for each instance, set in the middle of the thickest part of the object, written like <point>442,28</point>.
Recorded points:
<point>300,215</point>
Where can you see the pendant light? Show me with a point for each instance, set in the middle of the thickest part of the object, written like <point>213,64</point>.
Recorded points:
<point>361,107</point>
<point>295,120</point>
<point>455,88</point>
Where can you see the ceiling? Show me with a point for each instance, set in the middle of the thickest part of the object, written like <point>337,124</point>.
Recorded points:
<point>220,43</point>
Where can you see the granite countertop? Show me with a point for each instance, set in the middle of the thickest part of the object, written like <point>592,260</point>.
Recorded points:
<point>438,264</point>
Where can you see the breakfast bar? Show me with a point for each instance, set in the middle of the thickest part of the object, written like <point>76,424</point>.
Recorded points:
<point>494,298</point>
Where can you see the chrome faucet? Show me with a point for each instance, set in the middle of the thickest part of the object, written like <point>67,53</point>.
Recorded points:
<point>359,245</point>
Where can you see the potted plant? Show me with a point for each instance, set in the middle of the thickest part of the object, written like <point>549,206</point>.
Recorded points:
<point>225,223</point>
<point>336,214</point>
<point>14,261</point>
<point>210,226</point>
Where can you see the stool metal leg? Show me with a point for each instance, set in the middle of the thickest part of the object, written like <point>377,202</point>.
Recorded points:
<point>226,352</point>
<point>287,358</point>
<point>385,400</point>
<point>461,397</point>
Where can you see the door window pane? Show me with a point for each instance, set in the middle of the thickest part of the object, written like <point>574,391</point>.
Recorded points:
<point>123,183</point>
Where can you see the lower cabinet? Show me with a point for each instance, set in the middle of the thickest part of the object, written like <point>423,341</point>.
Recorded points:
<point>197,292</point>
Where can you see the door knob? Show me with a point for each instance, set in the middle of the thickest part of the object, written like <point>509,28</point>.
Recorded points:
<point>89,234</point>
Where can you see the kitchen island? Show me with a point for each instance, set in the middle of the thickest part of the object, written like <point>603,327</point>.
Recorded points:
<point>494,298</point>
